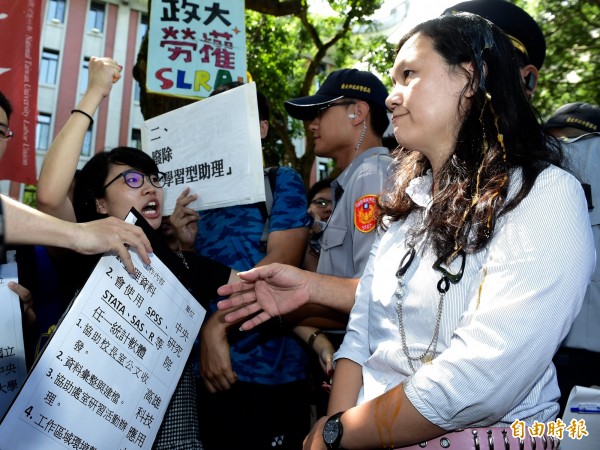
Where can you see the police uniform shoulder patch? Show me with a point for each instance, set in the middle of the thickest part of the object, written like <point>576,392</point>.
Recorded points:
<point>365,217</point>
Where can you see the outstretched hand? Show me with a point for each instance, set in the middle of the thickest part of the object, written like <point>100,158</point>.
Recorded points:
<point>111,235</point>
<point>271,291</point>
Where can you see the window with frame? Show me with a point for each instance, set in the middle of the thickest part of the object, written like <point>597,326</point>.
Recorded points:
<point>42,132</point>
<point>56,10</point>
<point>83,75</point>
<point>137,91</point>
<point>96,16</point>
<point>136,138</point>
<point>142,29</point>
<point>86,149</point>
<point>48,66</point>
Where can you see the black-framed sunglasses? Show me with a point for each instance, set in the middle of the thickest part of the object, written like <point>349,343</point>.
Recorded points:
<point>135,179</point>
<point>321,202</point>
<point>5,133</point>
<point>332,104</point>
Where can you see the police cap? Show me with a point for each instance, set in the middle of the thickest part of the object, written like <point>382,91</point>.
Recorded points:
<point>583,116</point>
<point>524,32</point>
<point>351,83</point>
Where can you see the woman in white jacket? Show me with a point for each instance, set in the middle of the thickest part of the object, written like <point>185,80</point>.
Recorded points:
<point>482,264</point>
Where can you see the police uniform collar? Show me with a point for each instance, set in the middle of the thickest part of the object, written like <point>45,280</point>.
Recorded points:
<point>343,178</point>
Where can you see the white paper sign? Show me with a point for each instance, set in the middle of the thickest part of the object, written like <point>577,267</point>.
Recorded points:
<point>12,350</point>
<point>580,399</point>
<point>212,146</point>
<point>107,375</point>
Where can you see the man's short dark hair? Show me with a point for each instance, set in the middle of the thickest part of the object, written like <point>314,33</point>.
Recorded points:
<point>317,187</point>
<point>5,105</point>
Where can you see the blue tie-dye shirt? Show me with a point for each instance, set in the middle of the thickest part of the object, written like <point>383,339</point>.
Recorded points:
<point>231,236</point>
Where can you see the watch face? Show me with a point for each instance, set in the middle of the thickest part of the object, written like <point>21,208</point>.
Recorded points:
<point>331,431</point>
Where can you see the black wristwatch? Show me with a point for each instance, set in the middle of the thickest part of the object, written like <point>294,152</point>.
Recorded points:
<point>332,431</point>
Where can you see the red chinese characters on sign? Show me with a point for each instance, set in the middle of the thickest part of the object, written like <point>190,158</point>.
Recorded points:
<point>177,47</point>
<point>217,45</point>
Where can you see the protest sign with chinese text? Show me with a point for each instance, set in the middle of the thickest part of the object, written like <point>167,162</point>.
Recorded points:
<point>194,47</point>
<point>12,350</point>
<point>212,146</point>
<point>107,375</point>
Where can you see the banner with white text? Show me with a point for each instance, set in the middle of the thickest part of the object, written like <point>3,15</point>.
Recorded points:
<point>20,27</point>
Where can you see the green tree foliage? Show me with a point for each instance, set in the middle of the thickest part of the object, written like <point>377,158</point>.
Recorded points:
<point>290,56</point>
<point>290,52</point>
<point>571,71</point>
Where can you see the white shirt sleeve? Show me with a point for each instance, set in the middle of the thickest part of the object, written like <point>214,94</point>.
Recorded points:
<point>356,340</point>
